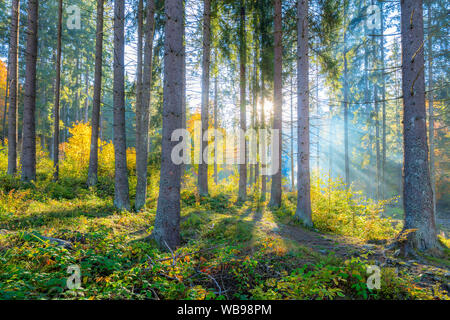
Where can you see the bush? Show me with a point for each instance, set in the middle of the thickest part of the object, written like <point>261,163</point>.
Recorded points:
<point>341,210</point>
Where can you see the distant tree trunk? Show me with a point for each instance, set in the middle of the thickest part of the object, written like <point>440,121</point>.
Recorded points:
<point>29,103</point>
<point>303,212</point>
<point>121,196</point>
<point>57,97</point>
<point>13,72</point>
<point>431,106</point>
<point>377,141</point>
<point>215,130</point>
<point>5,108</point>
<point>383,97</point>
<point>243,117</point>
<point>417,191</point>
<point>183,94</point>
<point>167,222</point>
<point>86,102</point>
<point>141,186</point>
<point>93,155</point>
<point>345,88</point>
<point>318,122</point>
<point>254,112</point>
<point>292,135</point>
<point>263,145</point>
<point>144,112</point>
<point>275,194</point>
<point>330,143</point>
<point>203,166</point>
<point>77,91</point>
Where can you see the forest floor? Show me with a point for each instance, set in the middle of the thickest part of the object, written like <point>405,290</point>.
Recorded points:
<point>230,250</point>
<point>428,272</point>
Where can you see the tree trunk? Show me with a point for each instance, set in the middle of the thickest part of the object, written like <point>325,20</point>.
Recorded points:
<point>255,167</point>
<point>263,145</point>
<point>383,97</point>
<point>57,97</point>
<point>13,71</point>
<point>93,156</point>
<point>377,141</point>
<point>86,101</point>
<point>183,96</point>
<point>275,194</point>
<point>29,104</point>
<point>77,92</point>
<point>345,88</point>
<point>203,166</point>
<point>215,131</point>
<point>243,117</point>
<point>121,196</point>
<point>303,212</point>
<point>167,221</point>
<point>144,112</point>
<point>140,162</point>
<point>417,191</point>
<point>5,108</point>
<point>292,134</point>
<point>318,122</point>
<point>431,107</point>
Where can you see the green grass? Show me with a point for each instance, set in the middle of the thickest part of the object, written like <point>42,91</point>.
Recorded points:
<point>226,254</point>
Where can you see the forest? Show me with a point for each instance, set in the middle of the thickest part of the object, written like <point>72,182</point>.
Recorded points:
<point>224,150</point>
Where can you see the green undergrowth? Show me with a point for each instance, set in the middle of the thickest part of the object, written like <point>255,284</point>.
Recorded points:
<point>226,252</point>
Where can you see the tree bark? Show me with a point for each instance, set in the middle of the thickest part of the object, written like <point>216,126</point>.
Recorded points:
<point>345,88</point>
<point>140,162</point>
<point>303,212</point>
<point>57,97</point>
<point>383,97</point>
<point>215,131</point>
<point>29,104</point>
<point>167,222</point>
<point>243,117</point>
<point>431,106</point>
<point>263,145</point>
<point>203,166</point>
<point>377,141</point>
<point>121,196</point>
<point>143,115</point>
<point>13,72</point>
<point>93,155</point>
<point>275,194</point>
<point>255,167</point>
<point>86,101</point>
<point>417,191</point>
<point>5,108</point>
<point>292,135</point>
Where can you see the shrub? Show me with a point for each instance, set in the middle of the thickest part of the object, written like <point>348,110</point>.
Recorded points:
<point>341,210</point>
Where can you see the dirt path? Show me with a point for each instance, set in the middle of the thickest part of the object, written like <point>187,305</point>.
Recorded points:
<point>427,273</point>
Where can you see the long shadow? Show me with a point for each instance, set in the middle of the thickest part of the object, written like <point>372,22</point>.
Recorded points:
<point>39,219</point>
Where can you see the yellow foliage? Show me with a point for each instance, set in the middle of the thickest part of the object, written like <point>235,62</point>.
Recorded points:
<point>339,210</point>
<point>76,152</point>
